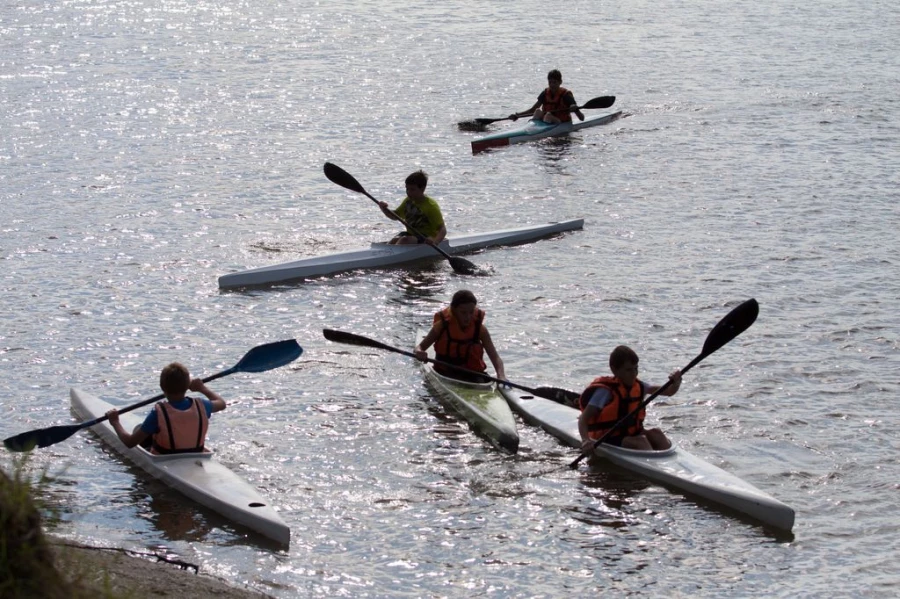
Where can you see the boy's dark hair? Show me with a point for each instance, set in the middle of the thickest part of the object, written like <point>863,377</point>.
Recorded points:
<point>174,379</point>
<point>619,356</point>
<point>463,296</point>
<point>418,178</point>
<point>555,74</point>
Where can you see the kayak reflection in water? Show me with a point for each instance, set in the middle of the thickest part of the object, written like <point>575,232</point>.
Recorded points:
<point>608,399</point>
<point>419,212</point>
<point>460,338</point>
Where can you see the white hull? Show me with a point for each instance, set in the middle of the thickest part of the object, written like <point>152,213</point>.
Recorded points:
<point>533,130</point>
<point>197,475</point>
<point>380,255</point>
<point>479,403</point>
<point>673,467</point>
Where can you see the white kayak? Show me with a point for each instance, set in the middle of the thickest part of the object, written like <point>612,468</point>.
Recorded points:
<point>200,476</point>
<point>380,255</point>
<point>673,467</point>
<point>538,129</point>
<point>481,404</point>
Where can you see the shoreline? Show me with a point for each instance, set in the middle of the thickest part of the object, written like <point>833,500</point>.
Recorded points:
<point>132,573</point>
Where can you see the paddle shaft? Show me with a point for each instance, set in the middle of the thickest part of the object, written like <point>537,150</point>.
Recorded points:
<point>733,324</point>
<point>353,339</point>
<point>341,177</point>
<point>593,103</point>
<point>259,359</point>
<point>406,224</point>
<point>145,402</point>
<point>633,413</point>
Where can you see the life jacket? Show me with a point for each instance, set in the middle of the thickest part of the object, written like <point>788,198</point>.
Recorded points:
<point>180,431</point>
<point>459,346</point>
<point>622,403</point>
<point>556,102</point>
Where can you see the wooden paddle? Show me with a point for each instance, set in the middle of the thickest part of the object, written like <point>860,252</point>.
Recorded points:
<point>735,322</point>
<point>338,175</point>
<point>353,339</point>
<point>259,359</point>
<point>594,103</point>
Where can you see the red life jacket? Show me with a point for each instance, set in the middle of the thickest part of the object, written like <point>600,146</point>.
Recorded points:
<point>180,431</point>
<point>557,102</point>
<point>459,346</point>
<point>622,403</point>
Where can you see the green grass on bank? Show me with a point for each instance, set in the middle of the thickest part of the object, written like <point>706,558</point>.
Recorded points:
<point>28,568</point>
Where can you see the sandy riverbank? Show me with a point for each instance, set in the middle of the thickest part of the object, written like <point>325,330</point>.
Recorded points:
<point>131,574</point>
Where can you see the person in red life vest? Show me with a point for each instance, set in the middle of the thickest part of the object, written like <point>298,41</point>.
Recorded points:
<point>460,338</point>
<point>608,399</point>
<point>419,211</point>
<point>179,424</point>
<point>554,105</point>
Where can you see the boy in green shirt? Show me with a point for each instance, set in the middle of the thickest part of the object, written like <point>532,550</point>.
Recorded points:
<point>419,211</point>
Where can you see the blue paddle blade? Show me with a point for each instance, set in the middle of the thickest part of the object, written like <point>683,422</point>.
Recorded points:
<point>269,356</point>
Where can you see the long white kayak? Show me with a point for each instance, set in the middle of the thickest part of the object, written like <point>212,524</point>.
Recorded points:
<point>380,255</point>
<point>538,129</point>
<point>200,476</point>
<point>673,467</point>
<point>481,404</point>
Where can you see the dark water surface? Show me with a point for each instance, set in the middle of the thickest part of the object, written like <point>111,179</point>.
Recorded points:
<point>148,147</point>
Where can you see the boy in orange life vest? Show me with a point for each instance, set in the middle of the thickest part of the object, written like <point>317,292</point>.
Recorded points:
<point>608,399</point>
<point>178,425</point>
<point>554,104</point>
<point>460,337</point>
<point>419,211</point>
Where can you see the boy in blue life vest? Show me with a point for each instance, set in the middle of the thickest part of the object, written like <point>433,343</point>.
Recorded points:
<point>554,105</point>
<point>419,211</point>
<point>179,424</point>
<point>608,399</point>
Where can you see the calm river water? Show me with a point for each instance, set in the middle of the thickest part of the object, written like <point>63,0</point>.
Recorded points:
<point>150,146</point>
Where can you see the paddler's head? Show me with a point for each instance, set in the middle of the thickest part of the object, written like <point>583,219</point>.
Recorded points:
<point>174,380</point>
<point>554,79</point>
<point>623,362</point>
<point>416,184</point>
<point>463,306</point>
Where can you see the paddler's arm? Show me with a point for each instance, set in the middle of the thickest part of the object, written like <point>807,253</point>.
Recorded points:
<point>675,377</point>
<point>573,107</point>
<point>217,401</point>
<point>132,439</point>
<point>516,115</point>
<point>438,237</point>
<point>387,211</point>
<point>587,444</point>
<point>421,350</point>
<point>488,344</point>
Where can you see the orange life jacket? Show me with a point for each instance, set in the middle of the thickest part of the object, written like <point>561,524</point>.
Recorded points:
<point>459,346</point>
<point>180,431</point>
<point>557,102</point>
<point>622,403</point>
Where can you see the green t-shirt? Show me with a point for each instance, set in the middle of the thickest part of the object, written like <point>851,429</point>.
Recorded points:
<point>423,216</point>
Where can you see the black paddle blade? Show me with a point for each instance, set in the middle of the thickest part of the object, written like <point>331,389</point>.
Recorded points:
<point>341,177</point>
<point>464,267</point>
<point>40,438</point>
<point>601,102</point>
<point>350,338</point>
<point>735,322</point>
<point>563,396</point>
<point>269,356</point>
<point>475,125</point>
